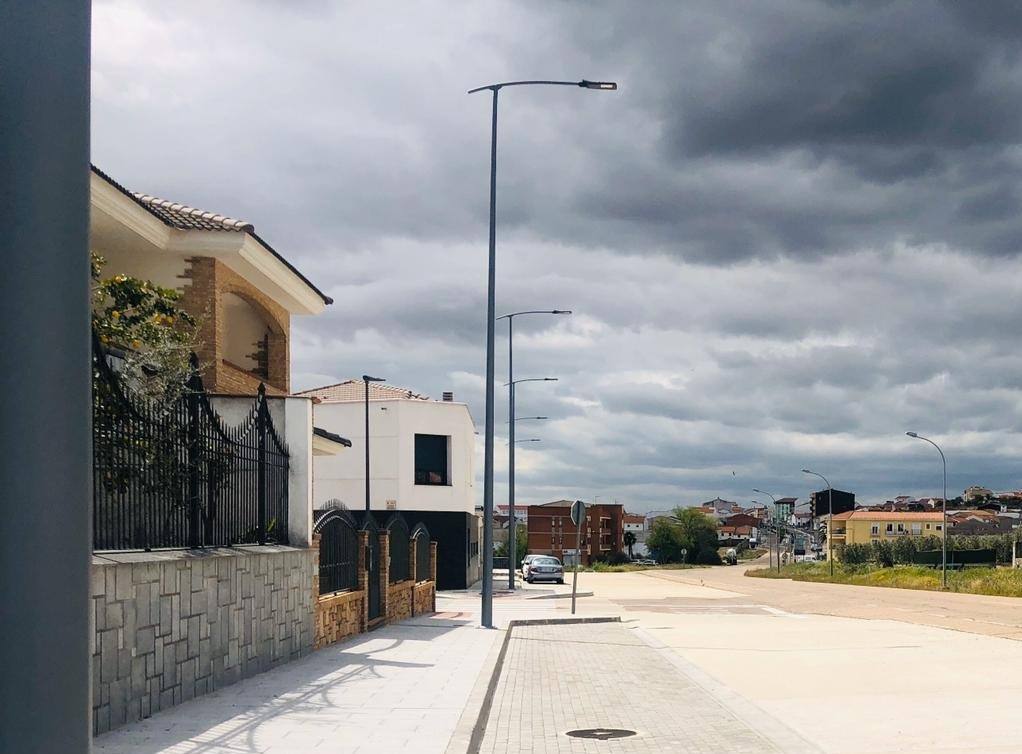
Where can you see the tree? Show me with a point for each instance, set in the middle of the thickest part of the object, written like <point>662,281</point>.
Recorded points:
<point>521,545</point>
<point>664,542</point>
<point>698,535</point>
<point>630,540</point>
<point>147,324</point>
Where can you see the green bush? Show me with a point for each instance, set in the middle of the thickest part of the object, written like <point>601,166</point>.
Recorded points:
<point>883,553</point>
<point>857,554</point>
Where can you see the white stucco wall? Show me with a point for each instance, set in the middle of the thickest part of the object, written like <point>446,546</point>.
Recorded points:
<point>393,426</point>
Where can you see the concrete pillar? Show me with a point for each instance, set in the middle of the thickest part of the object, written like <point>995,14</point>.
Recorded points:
<point>298,436</point>
<point>45,405</point>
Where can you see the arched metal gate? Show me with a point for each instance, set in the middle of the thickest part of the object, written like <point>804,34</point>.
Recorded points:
<point>373,565</point>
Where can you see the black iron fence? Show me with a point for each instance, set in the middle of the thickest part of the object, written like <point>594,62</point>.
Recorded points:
<point>174,476</point>
<point>420,536</point>
<point>338,551</point>
<point>399,562</point>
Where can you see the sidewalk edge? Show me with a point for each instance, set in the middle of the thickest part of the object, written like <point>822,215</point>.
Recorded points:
<point>473,720</point>
<point>779,734</point>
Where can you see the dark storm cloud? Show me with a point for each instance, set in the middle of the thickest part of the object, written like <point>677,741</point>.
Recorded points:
<point>791,235</point>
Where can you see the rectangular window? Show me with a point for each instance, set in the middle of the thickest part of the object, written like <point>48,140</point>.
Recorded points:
<point>890,528</point>
<point>431,459</point>
<point>901,528</point>
<point>917,529</point>
<point>874,530</point>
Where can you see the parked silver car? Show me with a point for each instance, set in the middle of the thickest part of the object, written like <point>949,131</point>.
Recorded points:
<point>543,568</point>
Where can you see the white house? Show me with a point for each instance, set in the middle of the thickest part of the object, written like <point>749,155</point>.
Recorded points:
<point>421,450</point>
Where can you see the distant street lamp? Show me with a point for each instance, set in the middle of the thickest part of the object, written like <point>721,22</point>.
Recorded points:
<point>943,506</point>
<point>777,533</point>
<point>830,519</point>
<point>486,617</point>
<point>511,420</point>
<point>366,379</point>
<point>531,439</point>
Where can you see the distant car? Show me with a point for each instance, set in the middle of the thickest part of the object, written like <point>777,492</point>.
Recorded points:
<point>526,560</point>
<point>543,568</point>
<point>644,561</point>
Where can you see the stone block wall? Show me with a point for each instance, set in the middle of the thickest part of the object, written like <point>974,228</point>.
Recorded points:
<point>340,614</point>
<point>399,600</point>
<point>169,626</point>
<point>424,598</point>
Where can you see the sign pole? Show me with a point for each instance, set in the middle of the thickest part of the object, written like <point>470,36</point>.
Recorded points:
<point>578,517</point>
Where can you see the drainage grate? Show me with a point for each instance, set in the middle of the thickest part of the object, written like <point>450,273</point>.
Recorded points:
<point>600,734</point>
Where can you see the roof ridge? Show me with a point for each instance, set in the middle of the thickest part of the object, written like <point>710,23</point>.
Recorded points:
<point>229,223</point>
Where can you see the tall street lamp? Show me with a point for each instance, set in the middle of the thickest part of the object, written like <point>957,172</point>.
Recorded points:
<point>512,535</point>
<point>943,507</point>
<point>830,519</point>
<point>366,379</point>
<point>487,592</point>
<point>511,430</point>
<point>777,538</point>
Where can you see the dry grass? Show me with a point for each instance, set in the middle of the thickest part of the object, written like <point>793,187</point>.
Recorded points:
<point>998,582</point>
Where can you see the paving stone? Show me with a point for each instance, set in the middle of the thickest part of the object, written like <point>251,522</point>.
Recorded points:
<point>557,678</point>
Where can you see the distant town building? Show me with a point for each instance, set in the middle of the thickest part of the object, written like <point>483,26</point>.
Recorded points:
<point>864,526</point>
<point>976,494</point>
<point>551,531</point>
<point>784,509</point>
<point>820,502</point>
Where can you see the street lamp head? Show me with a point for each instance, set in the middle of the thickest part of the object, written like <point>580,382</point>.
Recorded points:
<point>807,471</point>
<point>912,434</point>
<point>605,85</point>
<point>549,379</point>
<point>367,378</point>
<point>561,311</point>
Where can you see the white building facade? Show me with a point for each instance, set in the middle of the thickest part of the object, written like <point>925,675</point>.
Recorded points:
<point>422,451</point>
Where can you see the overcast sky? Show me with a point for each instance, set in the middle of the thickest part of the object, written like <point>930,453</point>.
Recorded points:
<point>792,235</point>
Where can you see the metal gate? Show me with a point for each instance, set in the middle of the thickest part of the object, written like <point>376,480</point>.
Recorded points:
<point>373,565</point>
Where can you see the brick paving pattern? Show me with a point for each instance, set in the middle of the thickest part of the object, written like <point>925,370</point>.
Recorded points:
<point>557,678</point>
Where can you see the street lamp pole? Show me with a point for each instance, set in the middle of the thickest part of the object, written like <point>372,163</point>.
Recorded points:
<point>777,537</point>
<point>366,379</point>
<point>830,519</point>
<point>943,505</point>
<point>512,527</point>
<point>486,617</point>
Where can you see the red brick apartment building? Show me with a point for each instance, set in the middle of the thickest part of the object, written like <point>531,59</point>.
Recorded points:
<point>551,531</point>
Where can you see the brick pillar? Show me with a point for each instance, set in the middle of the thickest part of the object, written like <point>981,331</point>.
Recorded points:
<point>432,570</point>
<point>363,579</point>
<point>318,630</point>
<point>384,572</point>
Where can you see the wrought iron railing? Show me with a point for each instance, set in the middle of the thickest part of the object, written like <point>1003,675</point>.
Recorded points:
<point>420,536</point>
<point>175,476</point>
<point>338,551</point>
<point>399,560</point>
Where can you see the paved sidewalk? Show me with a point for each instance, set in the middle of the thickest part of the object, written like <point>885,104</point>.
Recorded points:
<point>557,678</point>
<point>401,688</point>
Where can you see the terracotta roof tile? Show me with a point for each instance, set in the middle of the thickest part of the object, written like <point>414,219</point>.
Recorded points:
<point>181,216</point>
<point>353,390</point>
<point>888,516</point>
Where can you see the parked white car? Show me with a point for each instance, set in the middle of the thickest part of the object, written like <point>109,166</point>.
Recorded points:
<point>543,568</point>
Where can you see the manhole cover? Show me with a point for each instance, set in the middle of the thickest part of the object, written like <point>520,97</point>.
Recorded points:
<point>600,734</point>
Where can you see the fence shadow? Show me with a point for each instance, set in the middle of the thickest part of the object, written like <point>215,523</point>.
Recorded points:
<point>339,677</point>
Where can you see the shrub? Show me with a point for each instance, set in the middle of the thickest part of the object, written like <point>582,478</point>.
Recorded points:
<point>857,554</point>
<point>882,553</point>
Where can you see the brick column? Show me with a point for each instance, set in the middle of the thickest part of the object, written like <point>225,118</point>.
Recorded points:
<point>363,579</point>
<point>432,570</point>
<point>384,572</point>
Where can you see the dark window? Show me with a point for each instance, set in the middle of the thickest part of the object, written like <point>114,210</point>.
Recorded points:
<point>431,459</point>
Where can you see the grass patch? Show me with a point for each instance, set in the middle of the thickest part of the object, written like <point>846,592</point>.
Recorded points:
<point>997,582</point>
<point>751,554</point>
<point>630,567</point>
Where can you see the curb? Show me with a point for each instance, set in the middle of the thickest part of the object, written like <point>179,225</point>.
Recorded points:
<point>559,596</point>
<point>496,664</point>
